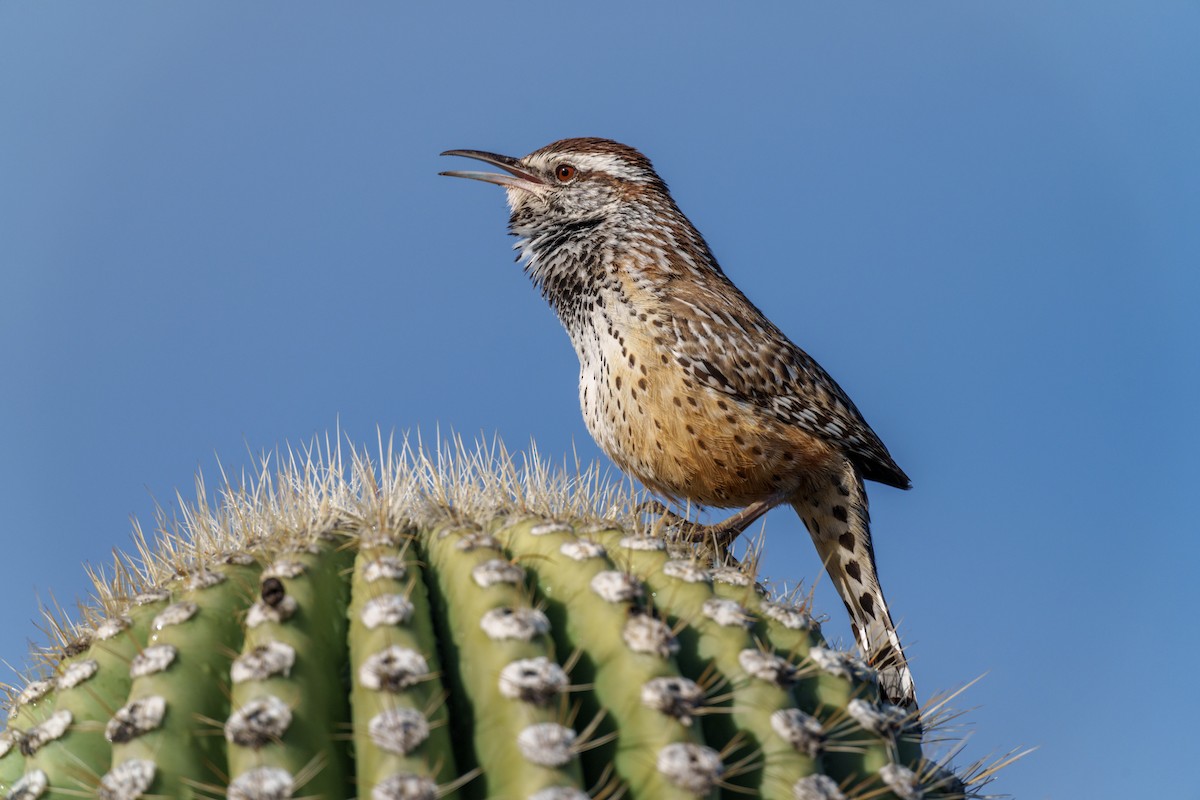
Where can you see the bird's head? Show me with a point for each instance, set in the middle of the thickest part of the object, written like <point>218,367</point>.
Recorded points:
<point>569,185</point>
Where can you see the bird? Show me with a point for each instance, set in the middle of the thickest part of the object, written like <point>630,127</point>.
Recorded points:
<point>684,383</point>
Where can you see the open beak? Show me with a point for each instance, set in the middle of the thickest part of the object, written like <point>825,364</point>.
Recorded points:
<point>517,177</point>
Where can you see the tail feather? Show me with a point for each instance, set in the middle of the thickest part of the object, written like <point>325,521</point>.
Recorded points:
<point>838,520</point>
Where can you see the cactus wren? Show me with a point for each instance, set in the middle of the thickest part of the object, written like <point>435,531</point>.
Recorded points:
<point>684,383</point>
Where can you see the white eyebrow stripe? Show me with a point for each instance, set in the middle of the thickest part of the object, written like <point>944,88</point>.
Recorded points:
<point>594,162</point>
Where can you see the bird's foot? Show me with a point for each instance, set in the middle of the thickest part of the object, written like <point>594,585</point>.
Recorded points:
<point>655,508</point>
<point>714,539</point>
<point>711,546</point>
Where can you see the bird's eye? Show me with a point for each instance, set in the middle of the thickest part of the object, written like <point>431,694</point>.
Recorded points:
<point>564,172</point>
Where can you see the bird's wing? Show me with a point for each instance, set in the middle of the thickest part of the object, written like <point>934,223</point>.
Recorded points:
<point>724,342</point>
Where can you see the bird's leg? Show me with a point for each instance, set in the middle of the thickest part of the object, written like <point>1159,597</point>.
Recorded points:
<point>719,534</point>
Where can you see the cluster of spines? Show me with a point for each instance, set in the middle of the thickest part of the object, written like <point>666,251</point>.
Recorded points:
<point>534,659</point>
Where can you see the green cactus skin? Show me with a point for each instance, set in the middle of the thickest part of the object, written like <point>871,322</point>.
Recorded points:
<point>468,631</point>
<point>382,573</point>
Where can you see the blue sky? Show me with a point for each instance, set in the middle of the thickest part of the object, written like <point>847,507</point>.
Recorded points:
<point>222,230</point>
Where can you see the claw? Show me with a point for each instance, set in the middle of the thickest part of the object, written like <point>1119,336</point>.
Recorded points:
<point>720,536</point>
<point>714,540</point>
<point>654,508</point>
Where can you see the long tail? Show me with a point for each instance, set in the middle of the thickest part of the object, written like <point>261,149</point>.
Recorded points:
<point>839,522</point>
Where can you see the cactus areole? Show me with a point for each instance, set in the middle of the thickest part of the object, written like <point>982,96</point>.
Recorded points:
<point>452,626</point>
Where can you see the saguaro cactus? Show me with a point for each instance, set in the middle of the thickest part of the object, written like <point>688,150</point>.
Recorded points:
<point>420,629</point>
